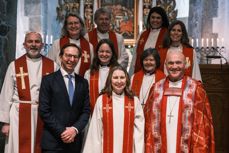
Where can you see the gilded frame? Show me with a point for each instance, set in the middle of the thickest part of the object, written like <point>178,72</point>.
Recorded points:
<point>124,19</point>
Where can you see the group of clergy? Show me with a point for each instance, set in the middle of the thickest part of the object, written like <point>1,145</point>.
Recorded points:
<point>162,107</point>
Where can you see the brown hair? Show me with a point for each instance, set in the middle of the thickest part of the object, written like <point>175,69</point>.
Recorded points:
<point>108,86</point>
<point>70,45</point>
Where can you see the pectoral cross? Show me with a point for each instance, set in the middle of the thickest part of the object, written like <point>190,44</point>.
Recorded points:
<point>107,108</point>
<point>129,107</point>
<point>170,116</point>
<point>22,76</point>
<point>86,56</point>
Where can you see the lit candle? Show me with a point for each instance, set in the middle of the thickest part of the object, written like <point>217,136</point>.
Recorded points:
<point>46,39</point>
<point>212,42</point>
<point>51,39</point>
<point>42,37</point>
<point>207,42</point>
<point>197,42</point>
<point>202,42</point>
<point>222,42</point>
<point>217,42</point>
<point>140,26</point>
<point>192,41</point>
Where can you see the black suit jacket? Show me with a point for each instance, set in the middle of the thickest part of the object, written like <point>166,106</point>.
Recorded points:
<point>57,113</point>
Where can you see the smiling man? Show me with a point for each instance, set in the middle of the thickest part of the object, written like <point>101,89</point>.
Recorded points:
<point>64,105</point>
<point>179,112</point>
<point>102,19</point>
<point>19,97</point>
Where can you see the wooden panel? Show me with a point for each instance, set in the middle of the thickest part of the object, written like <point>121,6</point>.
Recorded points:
<point>216,82</point>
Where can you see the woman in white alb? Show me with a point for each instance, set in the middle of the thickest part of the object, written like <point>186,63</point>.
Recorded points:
<point>117,122</point>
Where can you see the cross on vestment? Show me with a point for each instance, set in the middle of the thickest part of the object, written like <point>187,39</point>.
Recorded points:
<point>86,56</point>
<point>170,116</point>
<point>107,108</point>
<point>22,75</point>
<point>141,41</point>
<point>129,107</point>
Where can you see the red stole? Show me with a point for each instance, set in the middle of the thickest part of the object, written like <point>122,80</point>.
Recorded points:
<point>141,44</point>
<point>188,53</point>
<point>138,78</point>
<point>93,39</point>
<point>94,89</point>
<point>22,80</point>
<point>108,124</point>
<point>163,117</point>
<point>86,55</point>
<point>195,132</point>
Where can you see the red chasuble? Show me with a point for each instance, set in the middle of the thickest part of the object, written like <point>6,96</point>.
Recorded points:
<point>93,39</point>
<point>22,80</point>
<point>138,78</point>
<point>188,53</point>
<point>86,55</point>
<point>141,44</point>
<point>108,125</point>
<point>195,133</point>
<point>94,89</point>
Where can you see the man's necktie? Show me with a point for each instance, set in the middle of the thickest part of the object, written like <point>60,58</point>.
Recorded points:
<point>70,88</point>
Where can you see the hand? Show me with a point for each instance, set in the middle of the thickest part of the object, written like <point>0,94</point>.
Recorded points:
<point>6,129</point>
<point>68,135</point>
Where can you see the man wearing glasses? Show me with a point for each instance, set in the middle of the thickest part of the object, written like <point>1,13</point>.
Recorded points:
<point>64,105</point>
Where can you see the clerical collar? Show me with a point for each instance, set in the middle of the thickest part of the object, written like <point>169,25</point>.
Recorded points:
<point>105,33</point>
<point>118,95</point>
<point>175,83</point>
<point>176,46</point>
<point>149,73</point>
<point>34,59</point>
<point>103,66</point>
<point>155,29</point>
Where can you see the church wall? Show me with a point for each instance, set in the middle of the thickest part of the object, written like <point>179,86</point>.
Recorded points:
<point>8,26</point>
<point>207,19</point>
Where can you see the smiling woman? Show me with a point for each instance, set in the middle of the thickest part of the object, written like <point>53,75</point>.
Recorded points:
<point>117,118</point>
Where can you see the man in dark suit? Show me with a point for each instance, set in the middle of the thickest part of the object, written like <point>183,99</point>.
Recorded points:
<point>64,105</point>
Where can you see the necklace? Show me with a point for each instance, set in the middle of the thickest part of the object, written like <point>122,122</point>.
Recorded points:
<point>170,115</point>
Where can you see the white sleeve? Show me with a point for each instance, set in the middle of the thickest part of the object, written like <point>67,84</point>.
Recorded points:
<point>7,92</point>
<point>54,51</point>
<point>134,57</point>
<point>87,76</point>
<point>94,142</point>
<point>91,52</point>
<point>139,127</point>
<point>123,57</point>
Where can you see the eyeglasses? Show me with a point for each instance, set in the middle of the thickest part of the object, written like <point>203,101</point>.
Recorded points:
<point>72,23</point>
<point>105,51</point>
<point>70,56</point>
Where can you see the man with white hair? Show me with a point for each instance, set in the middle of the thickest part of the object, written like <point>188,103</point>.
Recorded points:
<point>177,113</point>
<point>19,97</point>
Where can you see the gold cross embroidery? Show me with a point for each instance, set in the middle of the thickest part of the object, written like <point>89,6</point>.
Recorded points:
<point>107,107</point>
<point>141,41</point>
<point>86,56</point>
<point>22,75</point>
<point>129,107</point>
<point>188,63</point>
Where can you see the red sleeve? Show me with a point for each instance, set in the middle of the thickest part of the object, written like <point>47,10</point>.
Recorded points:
<point>202,132</point>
